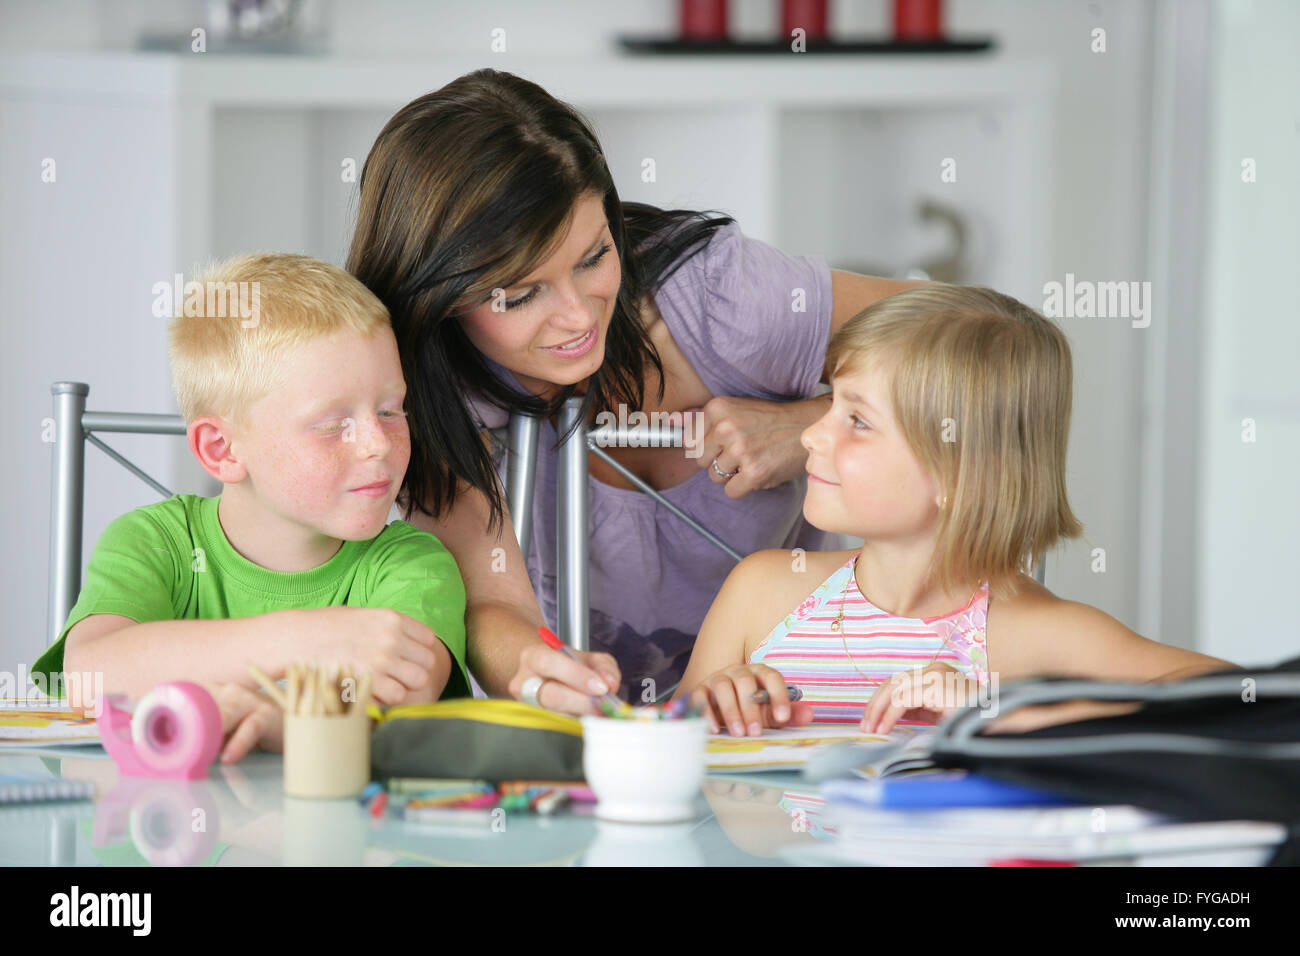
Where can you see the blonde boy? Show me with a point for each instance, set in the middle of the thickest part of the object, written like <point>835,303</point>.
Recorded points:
<point>298,411</point>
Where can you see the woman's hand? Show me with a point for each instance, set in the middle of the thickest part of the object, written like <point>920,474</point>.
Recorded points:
<point>248,719</point>
<point>926,693</point>
<point>760,438</point>
<point>567,686</point>
<point>726,700</point>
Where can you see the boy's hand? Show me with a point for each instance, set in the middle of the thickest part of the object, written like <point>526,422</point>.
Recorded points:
<point>725,697</point>
<point>395,649</point>
<point>919,694</point>
<point>248,719</point>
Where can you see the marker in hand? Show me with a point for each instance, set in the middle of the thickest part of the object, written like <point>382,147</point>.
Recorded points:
<point>761,696</point>
<point>551,640</point>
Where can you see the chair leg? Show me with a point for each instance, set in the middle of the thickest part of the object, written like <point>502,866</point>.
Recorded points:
<point>571,528</point>
<point>521,476</point>
<point>66,496</point>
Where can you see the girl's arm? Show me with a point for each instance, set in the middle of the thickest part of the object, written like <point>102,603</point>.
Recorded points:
<point>724,635</point>
<point>1070,639</point>
<point>719,675</point>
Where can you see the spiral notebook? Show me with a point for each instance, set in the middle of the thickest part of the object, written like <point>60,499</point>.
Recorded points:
<point>42,788</point>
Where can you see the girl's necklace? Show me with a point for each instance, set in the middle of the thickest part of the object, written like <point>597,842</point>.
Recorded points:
<point>838,623</point>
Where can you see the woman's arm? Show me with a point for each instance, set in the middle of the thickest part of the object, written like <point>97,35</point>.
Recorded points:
<point>502,616</point>
<point>851,293</point>
<point>762,438</point>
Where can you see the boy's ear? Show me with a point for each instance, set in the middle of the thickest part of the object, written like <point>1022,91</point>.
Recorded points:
<point>210,442</point>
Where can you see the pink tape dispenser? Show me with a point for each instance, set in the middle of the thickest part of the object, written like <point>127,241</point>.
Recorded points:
<point>175,732</point>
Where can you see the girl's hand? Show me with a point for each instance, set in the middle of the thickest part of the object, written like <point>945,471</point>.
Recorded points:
<point>248,719</point>
<point>1024,719</point>
<point>927,694</point>
<point>726,699</point>
<point>568,687</point>
<point>759,437</point>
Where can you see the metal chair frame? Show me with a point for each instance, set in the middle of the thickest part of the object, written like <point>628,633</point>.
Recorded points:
<point>74,426</point>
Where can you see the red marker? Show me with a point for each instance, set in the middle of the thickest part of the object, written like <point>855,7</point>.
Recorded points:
<point>551,640</point>
<point>1028,861</point>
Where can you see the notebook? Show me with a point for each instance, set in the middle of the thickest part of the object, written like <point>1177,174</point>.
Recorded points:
<point>904,748</point>
<point>978,837</point>
<point>42,722</point>
<point>42,788</point>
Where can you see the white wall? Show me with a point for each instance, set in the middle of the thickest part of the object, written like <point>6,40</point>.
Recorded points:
<point>1249,508</point>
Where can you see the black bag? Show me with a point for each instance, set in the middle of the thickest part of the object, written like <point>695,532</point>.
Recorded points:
<point>1221,746</point>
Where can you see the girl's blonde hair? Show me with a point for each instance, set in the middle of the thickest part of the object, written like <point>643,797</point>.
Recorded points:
<point>223,360</point>
<point>981,389</point>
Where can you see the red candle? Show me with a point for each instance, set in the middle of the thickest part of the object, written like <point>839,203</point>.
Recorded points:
<point>809,15</point>
<point>918,19</point>
<point>703,19</point>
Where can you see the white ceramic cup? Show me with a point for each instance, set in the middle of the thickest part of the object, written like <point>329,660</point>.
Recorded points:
<point>644,771</point>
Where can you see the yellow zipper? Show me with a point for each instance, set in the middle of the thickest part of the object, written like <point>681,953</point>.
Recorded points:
<point>507,713</point>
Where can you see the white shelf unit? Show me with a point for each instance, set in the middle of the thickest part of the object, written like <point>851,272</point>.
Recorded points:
<point>169,160</point>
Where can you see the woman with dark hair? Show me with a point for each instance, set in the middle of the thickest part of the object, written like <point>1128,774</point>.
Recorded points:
<point>490,226</point>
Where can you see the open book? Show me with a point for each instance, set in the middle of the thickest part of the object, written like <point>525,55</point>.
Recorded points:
<point>40,722</point>
<point>906,747</point>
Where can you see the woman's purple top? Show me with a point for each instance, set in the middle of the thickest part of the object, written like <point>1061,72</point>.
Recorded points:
<point>731,310</point>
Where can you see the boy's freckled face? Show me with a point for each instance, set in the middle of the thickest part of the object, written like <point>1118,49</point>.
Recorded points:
<point>333,425</point>
<point>863,478</point>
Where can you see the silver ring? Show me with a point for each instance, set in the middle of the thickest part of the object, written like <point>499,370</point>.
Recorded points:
<point>532,687</point>
<point>722,474</point>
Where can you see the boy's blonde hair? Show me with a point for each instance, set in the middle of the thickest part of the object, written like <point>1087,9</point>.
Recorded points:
<point>981,390</point>
<point>223,361</point>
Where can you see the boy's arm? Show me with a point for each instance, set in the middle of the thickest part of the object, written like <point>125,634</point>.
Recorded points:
<point>412,573</point>
<point>134,657</point>
<point>124,624</point>
<point>439,675</point>
<point>399,651</point>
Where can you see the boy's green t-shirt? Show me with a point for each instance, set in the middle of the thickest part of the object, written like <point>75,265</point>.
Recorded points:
<point>172,561</point>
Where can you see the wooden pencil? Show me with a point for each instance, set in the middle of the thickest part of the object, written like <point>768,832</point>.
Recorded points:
<point>268,685</point>
<point>308,692</point>
<point>363,692</point>
<point>333,704</point>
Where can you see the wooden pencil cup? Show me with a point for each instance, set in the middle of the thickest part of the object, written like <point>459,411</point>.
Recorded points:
<point>327,757</point>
